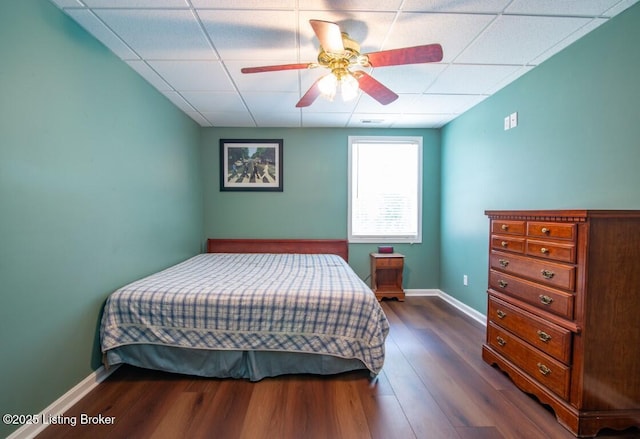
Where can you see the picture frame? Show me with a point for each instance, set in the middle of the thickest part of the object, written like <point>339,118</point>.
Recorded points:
<point>251,165</point>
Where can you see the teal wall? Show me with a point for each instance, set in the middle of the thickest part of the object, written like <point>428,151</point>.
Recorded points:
<point>576,146</point>
<point>100,184</point>
<point>314,201</point>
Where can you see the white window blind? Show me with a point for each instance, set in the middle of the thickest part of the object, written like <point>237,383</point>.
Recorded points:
<point>385,189</point>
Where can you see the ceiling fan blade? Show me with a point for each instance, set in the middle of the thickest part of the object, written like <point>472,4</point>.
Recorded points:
<point>374,88</point>
<point>329,35</point>
<point>406,55</point>
<point>276,68</point>
<point>310,96</point>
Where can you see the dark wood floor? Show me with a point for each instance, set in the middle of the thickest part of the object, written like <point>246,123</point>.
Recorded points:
<point>434,385</point>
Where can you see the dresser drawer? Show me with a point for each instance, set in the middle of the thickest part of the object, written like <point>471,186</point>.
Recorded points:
<point>541,367</point>
<point>509,243</point>
<point>552,230</point>
<point>507,226</point>
<point>546,273</point>
<point>558,251</point>
<point>547,337</point>
<point>548,299</point>
<point>389,262</point>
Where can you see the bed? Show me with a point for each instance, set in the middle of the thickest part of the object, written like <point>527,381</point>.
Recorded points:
<point>249,309</point>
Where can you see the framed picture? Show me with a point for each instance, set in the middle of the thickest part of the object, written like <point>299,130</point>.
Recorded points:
<point>251,165</point>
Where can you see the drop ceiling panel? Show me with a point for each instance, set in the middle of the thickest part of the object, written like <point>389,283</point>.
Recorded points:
<point>228,119</point>
<point>264,102</point>
<point>150,75</point>
<point>509,79</point>
<point>470,78</point>
<point>194,75</point>
<point>444,104</point>
<point>413,78</point>
<point>415,29</point>
<point>211,101</point>
<point>97,28</point>
<point>159,34</point>
<point>136,3</point>
<point>624,4</point>
<point>478,7</point>
<point>67,3</point>
<point>582,8</point>
<point>591,25</point>
<point>279,119</point>
<point>519,39</point>
<point>367,104</point>
<point>421,120</point>
<point>198,118</point>
<point>245,4</point>
<point>260,35</point>
<point>325,119</point>
<point>351,5</point>
<point>179,101</point>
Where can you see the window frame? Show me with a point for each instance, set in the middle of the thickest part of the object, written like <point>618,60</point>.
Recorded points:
<point>384,239</point>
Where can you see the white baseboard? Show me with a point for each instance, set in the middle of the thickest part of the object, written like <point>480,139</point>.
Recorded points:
<point>64,403</point>
<point>422,292</point>
<point>475,315</point>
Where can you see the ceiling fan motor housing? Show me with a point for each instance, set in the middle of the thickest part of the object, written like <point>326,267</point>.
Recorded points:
<point>349,55</point>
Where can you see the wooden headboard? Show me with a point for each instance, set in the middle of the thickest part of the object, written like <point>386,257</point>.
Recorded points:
<point>338,247</point>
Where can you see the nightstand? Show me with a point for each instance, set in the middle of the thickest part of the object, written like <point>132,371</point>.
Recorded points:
<point>386,275</point>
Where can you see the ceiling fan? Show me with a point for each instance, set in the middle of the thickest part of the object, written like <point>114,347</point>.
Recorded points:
<point>341,55</point>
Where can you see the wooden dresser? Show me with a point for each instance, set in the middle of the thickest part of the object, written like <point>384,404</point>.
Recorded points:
<point>563,317</point>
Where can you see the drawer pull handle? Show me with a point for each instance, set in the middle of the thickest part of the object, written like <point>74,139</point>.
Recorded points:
<point>547,274</point>
<point>501,341</point>
<point>543,336</point>
<point>503,263</point>
<point>544,250</point>
<point>501,314</point>
<point>544,370</point>
<point>502,283</point>
<point>546,299</point>
<point>545,230</point>
<point>504,243</point>
<point>505,227</point>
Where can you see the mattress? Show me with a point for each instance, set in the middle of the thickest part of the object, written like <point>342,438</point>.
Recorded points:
<point>296,303</point>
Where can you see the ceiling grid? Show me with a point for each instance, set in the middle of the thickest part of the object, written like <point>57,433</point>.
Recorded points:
<point>192,52</point>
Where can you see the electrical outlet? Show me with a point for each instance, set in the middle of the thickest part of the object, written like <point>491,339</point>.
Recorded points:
<point>513,120</point>
<point>465,280</point>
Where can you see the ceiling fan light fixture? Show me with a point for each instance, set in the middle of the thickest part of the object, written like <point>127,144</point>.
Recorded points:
<point>328,86</point>
<point>349,87</point>
<point>339,78</point>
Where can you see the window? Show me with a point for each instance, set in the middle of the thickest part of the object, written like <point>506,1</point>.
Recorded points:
<point>385,189</point>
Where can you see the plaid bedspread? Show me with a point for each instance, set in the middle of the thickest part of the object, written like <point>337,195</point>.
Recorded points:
<point>272,302</point>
